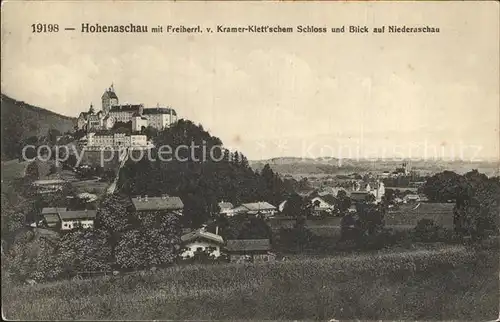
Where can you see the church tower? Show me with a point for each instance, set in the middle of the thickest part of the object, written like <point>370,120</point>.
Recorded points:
<point>109,98</point>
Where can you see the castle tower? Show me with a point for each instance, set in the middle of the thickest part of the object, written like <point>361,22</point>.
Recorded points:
<point>109,98</point>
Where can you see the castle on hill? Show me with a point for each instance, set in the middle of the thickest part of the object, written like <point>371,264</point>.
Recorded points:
<point>113,112</point>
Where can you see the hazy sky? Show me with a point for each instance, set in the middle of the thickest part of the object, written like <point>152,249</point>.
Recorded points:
<point>269,95</point>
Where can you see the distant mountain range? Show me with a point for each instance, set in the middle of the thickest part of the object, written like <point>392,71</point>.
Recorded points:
<point>308,166</point>
<point>21,120</point>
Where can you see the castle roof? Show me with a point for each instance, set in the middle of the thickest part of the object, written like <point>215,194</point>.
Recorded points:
<point>159,110</point>
<point>126,108</point>
<point>110,93</point>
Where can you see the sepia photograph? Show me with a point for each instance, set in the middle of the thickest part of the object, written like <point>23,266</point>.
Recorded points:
<point>254,160</point>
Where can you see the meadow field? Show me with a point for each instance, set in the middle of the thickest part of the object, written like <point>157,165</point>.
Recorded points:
<point>451,282</point>
<point>13,169</point>
<point>404,218</point>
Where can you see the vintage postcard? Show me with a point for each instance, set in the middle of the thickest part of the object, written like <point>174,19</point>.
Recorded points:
<point>255,160</point>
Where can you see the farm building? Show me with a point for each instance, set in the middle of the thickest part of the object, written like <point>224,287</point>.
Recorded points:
<point>50,217</point>
<point>164,203</point>
<point>254,208</point>
<point>200,240</point>
<point>249,250</point>
<point>324,203</point>
<point>77,218</point>
<point>225,207</point>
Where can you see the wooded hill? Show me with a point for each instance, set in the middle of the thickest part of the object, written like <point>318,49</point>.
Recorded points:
<point>21,120</point>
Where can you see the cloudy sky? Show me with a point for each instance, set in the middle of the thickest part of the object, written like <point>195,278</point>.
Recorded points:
<point>269,95</point>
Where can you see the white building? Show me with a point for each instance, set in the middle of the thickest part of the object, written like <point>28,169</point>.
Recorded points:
<point>225,207</point>
<point>160,118</point>
<point>324,203</point>
<point>77,218</point>
<point>102,140</point>
<point>253,208</point>
<point>138,122</point>
<point>201,240</point>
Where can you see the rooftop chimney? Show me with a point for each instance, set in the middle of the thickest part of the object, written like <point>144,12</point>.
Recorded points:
<point>139,198</point>
<point>145,197</point>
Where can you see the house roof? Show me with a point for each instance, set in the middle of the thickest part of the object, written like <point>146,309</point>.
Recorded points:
<point>50,210</point>
<point>225,205</point>
<point>358,195</point>
<point>126,108</point>
<point>329,199</point>
<point>257,206</point>
<point>48,182</point>
<point>77,214</point>
<point>248,245</point>
<point>159,110</point>
<point>157,203</point>
<point>51,218</point>
<point>239,209</point>
<point>200,234</point>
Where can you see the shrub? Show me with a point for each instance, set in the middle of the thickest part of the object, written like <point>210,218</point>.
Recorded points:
<point>427,231</point>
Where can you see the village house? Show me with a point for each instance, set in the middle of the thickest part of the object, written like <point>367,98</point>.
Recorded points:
<point>249,250</point>
<point>76,218</point>
<point>411,198</point>
<point>225,207</point>
<point>359,196</point>
<point>48,185</point>
<point>50,217</point>
<point>254,208</point>
<point>170,204</point>
<point>201,240</point>
<point>324,203</point>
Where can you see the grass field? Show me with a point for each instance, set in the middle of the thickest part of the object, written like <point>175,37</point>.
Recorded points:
<point>91,186</point>
<point>13,169</point>
<point>448,283</point>
<point>405,218</point>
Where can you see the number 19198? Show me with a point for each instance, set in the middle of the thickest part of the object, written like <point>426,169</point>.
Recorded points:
<point>43,27</point>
